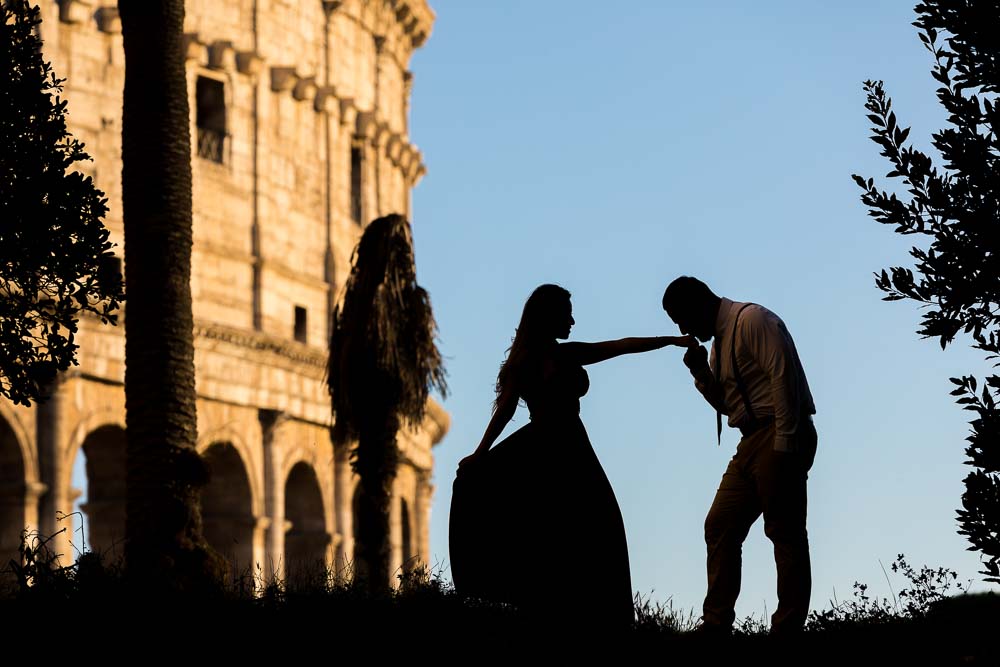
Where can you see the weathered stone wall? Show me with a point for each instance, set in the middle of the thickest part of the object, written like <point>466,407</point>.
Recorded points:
<point>303,84</point>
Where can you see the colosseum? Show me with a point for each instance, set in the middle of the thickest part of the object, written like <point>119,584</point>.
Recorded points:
<point>299,128</point>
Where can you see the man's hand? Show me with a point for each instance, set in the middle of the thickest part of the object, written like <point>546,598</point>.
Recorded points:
<point>696,358</point>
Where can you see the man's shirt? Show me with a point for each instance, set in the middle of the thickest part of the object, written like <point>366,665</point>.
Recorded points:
<point>769,366</point>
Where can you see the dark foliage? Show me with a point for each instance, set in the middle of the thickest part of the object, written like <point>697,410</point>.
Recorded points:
<point>383,363</point>
<point>957,206</point>
<point>923,626</point>
<point>927,588</point>
<point>54,249</point>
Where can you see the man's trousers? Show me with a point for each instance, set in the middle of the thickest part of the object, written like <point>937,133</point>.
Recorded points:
<point>760,480</point>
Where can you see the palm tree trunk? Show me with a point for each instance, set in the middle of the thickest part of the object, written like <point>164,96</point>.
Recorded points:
<point>163,536</point>
<point>377,457</point>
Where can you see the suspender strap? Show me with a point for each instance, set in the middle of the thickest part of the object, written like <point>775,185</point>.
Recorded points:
<point>751,417</point>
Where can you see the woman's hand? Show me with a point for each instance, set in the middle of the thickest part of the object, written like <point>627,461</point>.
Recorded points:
<point>686,341</point>
<point>472,459</point>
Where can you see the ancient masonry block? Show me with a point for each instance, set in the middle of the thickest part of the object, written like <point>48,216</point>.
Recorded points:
<point>290,159</point>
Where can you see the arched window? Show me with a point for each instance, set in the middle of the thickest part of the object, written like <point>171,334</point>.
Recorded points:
<point>227,511</point>
<point>104,458</point>
<point>306,540</point>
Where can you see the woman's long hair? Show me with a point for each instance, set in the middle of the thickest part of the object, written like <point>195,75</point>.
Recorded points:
<point>534,334</point>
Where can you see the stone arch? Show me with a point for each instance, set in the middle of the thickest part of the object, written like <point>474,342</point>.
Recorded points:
<point>12,492</point>
<point>298,454</point>
<point>227,435</point>
<point>98,419</point>
<point>227,507</point>
<point>22,440</point>
<point>104,449</point>
<point>306,539</point>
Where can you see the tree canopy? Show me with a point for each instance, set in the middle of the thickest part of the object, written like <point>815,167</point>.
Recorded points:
<point>383,364</point>
<point>955,206</point>
<point>56,261</point>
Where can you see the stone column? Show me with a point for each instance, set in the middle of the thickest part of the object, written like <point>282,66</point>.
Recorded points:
<point>33,491</point>
<point>407,193</point>
<point>273,561</point>
<point>55,503</point>
<point>395,538</point>
<point>344,537</point>
<point>18,513</point>
<point>422,517</point>
<point>333,549</point>
<point>258,567</point>
<point>364,140</point>
<point>376,110</point>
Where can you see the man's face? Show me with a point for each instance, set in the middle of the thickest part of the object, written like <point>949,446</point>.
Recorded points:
<point>694,323</point>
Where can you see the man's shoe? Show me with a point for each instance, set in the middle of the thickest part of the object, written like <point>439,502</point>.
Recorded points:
<point>786,633</point>
<point>705,629</point>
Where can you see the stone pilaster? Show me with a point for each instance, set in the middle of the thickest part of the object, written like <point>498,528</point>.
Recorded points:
<point>273,562</point>
<point>422,517</point>
<point>55,503</point>
<point>395,540</point>
<point>273,231</point>
<point>33,491</point>
<point>342,489</point>
<point>260,529</point>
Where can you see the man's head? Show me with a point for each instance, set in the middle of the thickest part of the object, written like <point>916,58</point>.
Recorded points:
<point>692,306</point>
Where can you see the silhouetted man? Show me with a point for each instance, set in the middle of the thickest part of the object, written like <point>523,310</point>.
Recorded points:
<point>756,380</point>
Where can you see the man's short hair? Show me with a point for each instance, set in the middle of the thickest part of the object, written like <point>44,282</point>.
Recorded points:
<point>685,294</point>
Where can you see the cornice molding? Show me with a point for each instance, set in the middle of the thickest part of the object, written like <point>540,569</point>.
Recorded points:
<point>305,89</point>
<point>249,63</point>
<point>348,112</point>
<point>222,56</point>
<point>195,49</point>
<point>261,342</point>
<point>75,11</point>
<point>416,17</point>
<point>326,100</point>
<point>381,135</point>
<point>108,20</point>
<point>395,146</point>
<point>283,79</point>
<point>437,421</point>
<point>365,125</point>
<point>413,20</point>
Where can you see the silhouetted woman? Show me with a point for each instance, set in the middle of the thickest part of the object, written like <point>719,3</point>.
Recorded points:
<point>534,521</point>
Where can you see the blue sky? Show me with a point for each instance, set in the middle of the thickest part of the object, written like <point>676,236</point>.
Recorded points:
<point>610,148</point>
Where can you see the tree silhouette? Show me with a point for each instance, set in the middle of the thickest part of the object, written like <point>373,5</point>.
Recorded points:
<point>383,364</point>
<point>164,545</point>
<point>56,261</point>
<point>958,207</point>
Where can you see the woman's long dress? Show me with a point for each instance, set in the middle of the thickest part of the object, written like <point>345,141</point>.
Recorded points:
<point>535,522</point>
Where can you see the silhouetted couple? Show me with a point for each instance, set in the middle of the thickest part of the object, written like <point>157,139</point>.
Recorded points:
<point>534,521</point>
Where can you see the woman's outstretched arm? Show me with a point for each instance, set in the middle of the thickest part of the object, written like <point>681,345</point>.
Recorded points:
<point>506,405</point>
<point>592,353</point>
